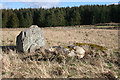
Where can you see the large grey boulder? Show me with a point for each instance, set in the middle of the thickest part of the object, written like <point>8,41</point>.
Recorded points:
<point>29,39</point>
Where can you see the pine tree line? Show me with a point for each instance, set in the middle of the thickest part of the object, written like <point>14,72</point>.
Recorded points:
<point>85,15</point>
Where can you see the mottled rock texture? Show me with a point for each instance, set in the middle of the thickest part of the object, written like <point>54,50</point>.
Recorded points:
<point>29,39</point>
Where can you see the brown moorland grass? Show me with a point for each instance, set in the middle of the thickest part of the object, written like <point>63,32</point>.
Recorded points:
<point>64,36</point>
<point>95,65</point>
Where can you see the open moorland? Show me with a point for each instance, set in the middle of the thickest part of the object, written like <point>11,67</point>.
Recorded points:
<point>66,36</point>
<point>92,66</point>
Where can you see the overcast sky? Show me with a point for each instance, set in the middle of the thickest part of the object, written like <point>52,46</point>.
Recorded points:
<point>51,3</point>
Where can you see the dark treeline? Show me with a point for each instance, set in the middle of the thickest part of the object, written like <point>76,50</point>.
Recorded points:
<point>85,15</point>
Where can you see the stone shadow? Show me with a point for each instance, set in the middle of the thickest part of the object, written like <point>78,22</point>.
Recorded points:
<point>6,48</point>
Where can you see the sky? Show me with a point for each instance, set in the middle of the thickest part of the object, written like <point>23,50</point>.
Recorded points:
<point>16,4</point>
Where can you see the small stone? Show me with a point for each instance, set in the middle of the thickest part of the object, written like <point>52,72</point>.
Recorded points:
<point>80,52</point>
<point>72,53</point>
<point>51,49</point>
<point>87,49</point>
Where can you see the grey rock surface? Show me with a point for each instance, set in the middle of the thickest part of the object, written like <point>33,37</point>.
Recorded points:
<point>29,39</point>
<point>80,52</point>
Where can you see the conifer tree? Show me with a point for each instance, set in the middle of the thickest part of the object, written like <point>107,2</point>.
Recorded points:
<point>51,18</point>
<point>13,21</point>
<point>75,18</point>
<point>40,20</point>
<point>4,18</point>
<point>60,17</point>
<point>28,19</point>
<point>21,20</point>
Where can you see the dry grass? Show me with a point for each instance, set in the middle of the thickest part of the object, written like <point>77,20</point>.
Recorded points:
<point>66,36</point>
<point>94,65</point>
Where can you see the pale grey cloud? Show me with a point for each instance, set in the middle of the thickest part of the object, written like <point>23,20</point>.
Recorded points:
<point>42,4</point>
<point>30,0</point>
<point>3,6</point>
<point>35,3</point>
<point>59,0</point>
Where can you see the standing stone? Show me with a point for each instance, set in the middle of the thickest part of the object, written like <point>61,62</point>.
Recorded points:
<point>29,39</point>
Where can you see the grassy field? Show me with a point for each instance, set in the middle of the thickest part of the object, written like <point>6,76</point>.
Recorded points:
<point>96,65</point>
<point>63,36</point>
